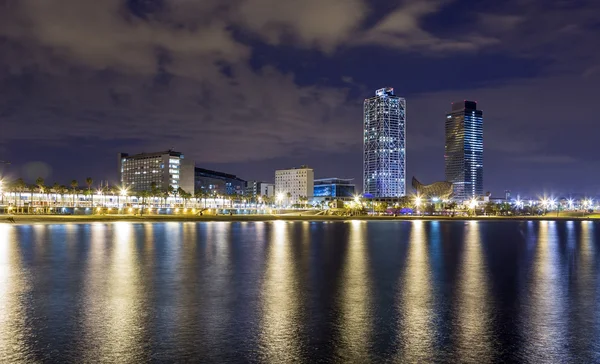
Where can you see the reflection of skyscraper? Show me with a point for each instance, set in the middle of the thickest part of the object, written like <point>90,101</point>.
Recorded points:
<point>464,149</point>
<point>384,159</point>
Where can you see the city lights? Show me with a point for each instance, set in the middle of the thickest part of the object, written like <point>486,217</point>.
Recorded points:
<point>473,204</point>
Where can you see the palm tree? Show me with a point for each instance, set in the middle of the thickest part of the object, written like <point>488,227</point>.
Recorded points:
<point>56,189</point>
<point>89,181</point>
<point>21,186</point>
<point>74,186</point>
<point>154,191</point>
<point>201,194</point>
<point>32,189</point>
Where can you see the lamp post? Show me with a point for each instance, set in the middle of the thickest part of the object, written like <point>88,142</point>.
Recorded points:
<point>418,202</point>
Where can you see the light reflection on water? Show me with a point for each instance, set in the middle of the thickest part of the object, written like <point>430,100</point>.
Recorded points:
<point>416,305</point>
<point>300,292</point>
<point>545,306</point>
<point>474,332</point>
<point>13,288</point>
<point>280,338</point>
<point>356,311</point>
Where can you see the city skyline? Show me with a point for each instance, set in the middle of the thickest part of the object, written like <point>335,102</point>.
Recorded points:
<point>250,92</point>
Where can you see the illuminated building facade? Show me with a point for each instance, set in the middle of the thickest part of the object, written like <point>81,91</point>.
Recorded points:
<point>464,150</point>
<point>297,182</point>
<point>334,187</point>
<point>384,143</point>
<point>169,168</point>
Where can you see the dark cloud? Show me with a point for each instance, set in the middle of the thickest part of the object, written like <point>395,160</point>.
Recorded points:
<point>155,74</point>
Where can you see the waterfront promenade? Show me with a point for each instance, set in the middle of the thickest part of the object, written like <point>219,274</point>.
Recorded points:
<point>66,219</point>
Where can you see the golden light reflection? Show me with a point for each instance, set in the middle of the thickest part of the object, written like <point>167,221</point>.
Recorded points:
<point>13,286</point>
<point>356,304</point>
<point>280,305</point>
<point>416,302</point>
<point>545,331</point>
<point>114,302</point>
<point>474,310</point>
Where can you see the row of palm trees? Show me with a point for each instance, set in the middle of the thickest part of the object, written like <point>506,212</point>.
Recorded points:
<point>74,190</point>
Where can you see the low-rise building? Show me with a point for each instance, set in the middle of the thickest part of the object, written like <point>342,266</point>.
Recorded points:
<point>293,185</point>
<point>255,189</point>
<point>214,183</point>
<point>334,188</point>
<point>139,172</point>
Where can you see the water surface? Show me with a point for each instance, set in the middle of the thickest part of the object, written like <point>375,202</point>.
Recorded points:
<point>275,292</point>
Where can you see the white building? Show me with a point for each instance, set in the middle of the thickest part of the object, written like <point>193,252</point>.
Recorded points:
<point>163,169</point>
<point>291,184</point>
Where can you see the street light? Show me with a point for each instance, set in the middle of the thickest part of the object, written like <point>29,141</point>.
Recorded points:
<point>473,204</point>
<point>418,202</point>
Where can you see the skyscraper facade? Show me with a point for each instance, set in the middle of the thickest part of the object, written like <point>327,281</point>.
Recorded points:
<point>384,142</point>
<point>464,150</point>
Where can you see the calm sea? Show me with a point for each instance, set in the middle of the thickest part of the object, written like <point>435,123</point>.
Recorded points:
<point>280,292</point>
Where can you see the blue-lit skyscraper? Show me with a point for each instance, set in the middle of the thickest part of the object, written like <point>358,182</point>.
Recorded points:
<point>384,143</point>
<point>464,150</point>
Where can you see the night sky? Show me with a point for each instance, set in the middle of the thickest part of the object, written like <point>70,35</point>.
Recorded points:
<point>250,86</point>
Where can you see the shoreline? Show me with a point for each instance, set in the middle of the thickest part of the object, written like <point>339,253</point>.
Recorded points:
<point>53,219</point>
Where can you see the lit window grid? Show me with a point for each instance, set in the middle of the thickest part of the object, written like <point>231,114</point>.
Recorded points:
<point>384,145</point>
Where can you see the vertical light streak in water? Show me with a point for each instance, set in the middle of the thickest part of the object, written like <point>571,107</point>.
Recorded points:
<point>474,336</point>
<point>416,301</point>
<point>13,287</point>
<point>356,306</point>
<point>280,296</point>
<point>114,303</point>
<point>586,309</point>
<point>216,305</point>
<point>546,316</point>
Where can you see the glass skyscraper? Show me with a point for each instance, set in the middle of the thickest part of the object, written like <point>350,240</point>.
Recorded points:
<point>384,158</point>
<point>464,150</point>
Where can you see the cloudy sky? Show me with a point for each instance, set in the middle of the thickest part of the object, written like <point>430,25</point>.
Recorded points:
<point>249,86</point>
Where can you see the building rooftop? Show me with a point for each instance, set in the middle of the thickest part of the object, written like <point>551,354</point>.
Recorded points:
<point>151,154</point>
<point>334,180</point>
<point>216,173</point>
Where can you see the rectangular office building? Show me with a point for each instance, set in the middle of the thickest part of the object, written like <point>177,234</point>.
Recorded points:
<point>464,150</point>
<point>169,168</point>
<point>384,143</point>
<point>293,185</point>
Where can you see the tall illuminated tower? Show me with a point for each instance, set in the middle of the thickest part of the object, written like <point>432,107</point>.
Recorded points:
<point>464,150</point>
<point>384,143</point>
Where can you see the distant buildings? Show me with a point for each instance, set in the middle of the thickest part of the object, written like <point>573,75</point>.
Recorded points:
<point>384,142</point>
<point>218,183</point>
<point>169,168</point>
<point>464,150</point>
<point>334,187</point>
<point>255,189</point>
<point>292,184</point>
